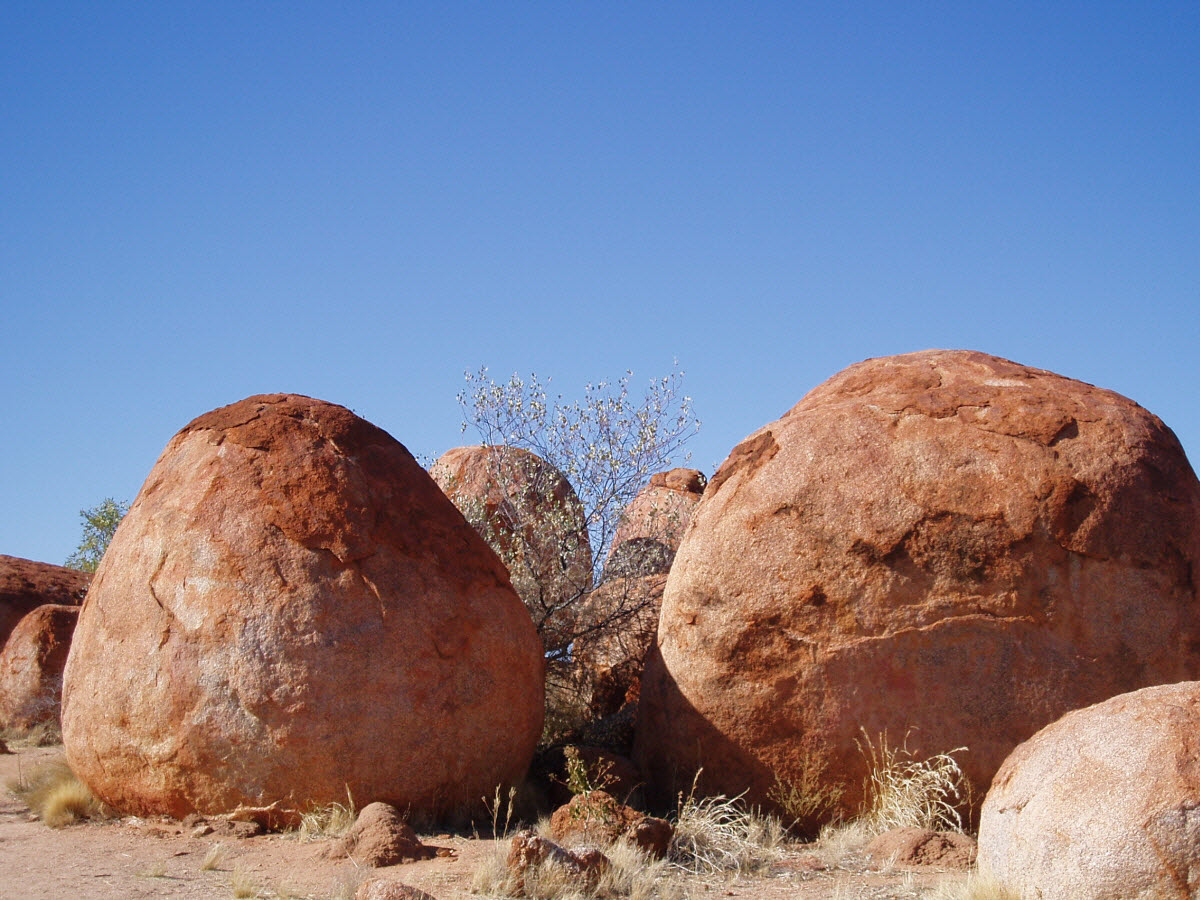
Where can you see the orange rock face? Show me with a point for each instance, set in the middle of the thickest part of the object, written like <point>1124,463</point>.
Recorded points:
<point>25,585</point>
<point>1102,803</point>
<point>532,517</point>
<point>292,610</point>
<point>31,666</point>
<point>655,521</point>
<point>943,545</point>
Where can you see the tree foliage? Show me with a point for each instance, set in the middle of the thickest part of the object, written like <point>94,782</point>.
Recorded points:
<point>606,445</point>
<point>99,525</point>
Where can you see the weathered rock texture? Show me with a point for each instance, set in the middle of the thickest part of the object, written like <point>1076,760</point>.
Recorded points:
<point>381,889</point>
<point>943,545</point>
<point>528,850</point>
<point>1103,804</point>
<point>31,667</point>
<point>611,658</point>
<point>597,818</point>
<point>652,526</point>
<point>25,585</point>
<point>531,516</point>
<point>623,611</point>
<point>919,847</point>
<point>290,610</point>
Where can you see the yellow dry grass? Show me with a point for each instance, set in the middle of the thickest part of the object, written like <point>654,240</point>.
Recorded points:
<point>56,796</point>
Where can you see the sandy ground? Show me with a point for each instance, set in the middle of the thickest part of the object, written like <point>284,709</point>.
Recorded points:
<point>135,858</point>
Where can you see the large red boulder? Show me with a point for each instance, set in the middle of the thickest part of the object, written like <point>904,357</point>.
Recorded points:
<point>290,611</point>
<point>25,585</point>
<point>31,666</point>
<point>943,546</point>
<point>1102,803</point>
<point>529,513</point>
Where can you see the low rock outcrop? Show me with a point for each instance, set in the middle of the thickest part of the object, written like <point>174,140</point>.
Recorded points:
<point>382,889</point>
<point>528,851</point>
<point>919,847</point>
<point>598,818</point>
<point>380,837</point>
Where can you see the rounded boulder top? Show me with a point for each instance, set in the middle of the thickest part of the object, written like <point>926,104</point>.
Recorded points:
<point>942,547</point>
<point>290,611</point>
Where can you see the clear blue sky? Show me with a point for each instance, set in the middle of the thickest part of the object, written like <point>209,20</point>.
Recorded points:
<point>203,201</point>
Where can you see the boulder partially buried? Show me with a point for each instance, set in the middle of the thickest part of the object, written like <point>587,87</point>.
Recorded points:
<point>292,611</point>
<point>943,547</point>
<point>1103,804</point>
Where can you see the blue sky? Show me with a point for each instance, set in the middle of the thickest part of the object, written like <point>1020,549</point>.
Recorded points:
<point>200,202</point>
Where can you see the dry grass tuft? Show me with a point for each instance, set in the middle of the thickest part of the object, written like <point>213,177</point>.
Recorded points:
<point>155,870</point>
<point>905,792</point>
<point>243,884</point>
<point>631,875</point>
<point>331,821</point>
<point>716,834</point>
<point>975,886</point>
<point>808,800</point>
<point>56,796</point>
<point>213,858</point>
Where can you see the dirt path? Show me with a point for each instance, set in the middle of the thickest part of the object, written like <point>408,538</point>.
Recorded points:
<point>136,858</point>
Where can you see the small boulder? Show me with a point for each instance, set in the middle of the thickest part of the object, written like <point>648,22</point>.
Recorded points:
<point>1104,803</point>
<point>25,585</point>
<point>916,847</point>
<point>598,818</point>
<point>31,667</point>
<point>380,837</point>
<point>653,524</point>
<point>530,851</point>
<point>610,659</point>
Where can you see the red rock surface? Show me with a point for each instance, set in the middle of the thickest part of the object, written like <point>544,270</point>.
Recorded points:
<point>943,545</point>
<point>655,520</point>
<point>31,667</point>
<point>599,818</point>
<point>1104,803</point>
<point>534,521</point>
<point>923,847</point>
<point>380,837</point>
<point>611,658</point>
<point>292,610</point>
<point>528,851</point>
<point>25,585</point>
